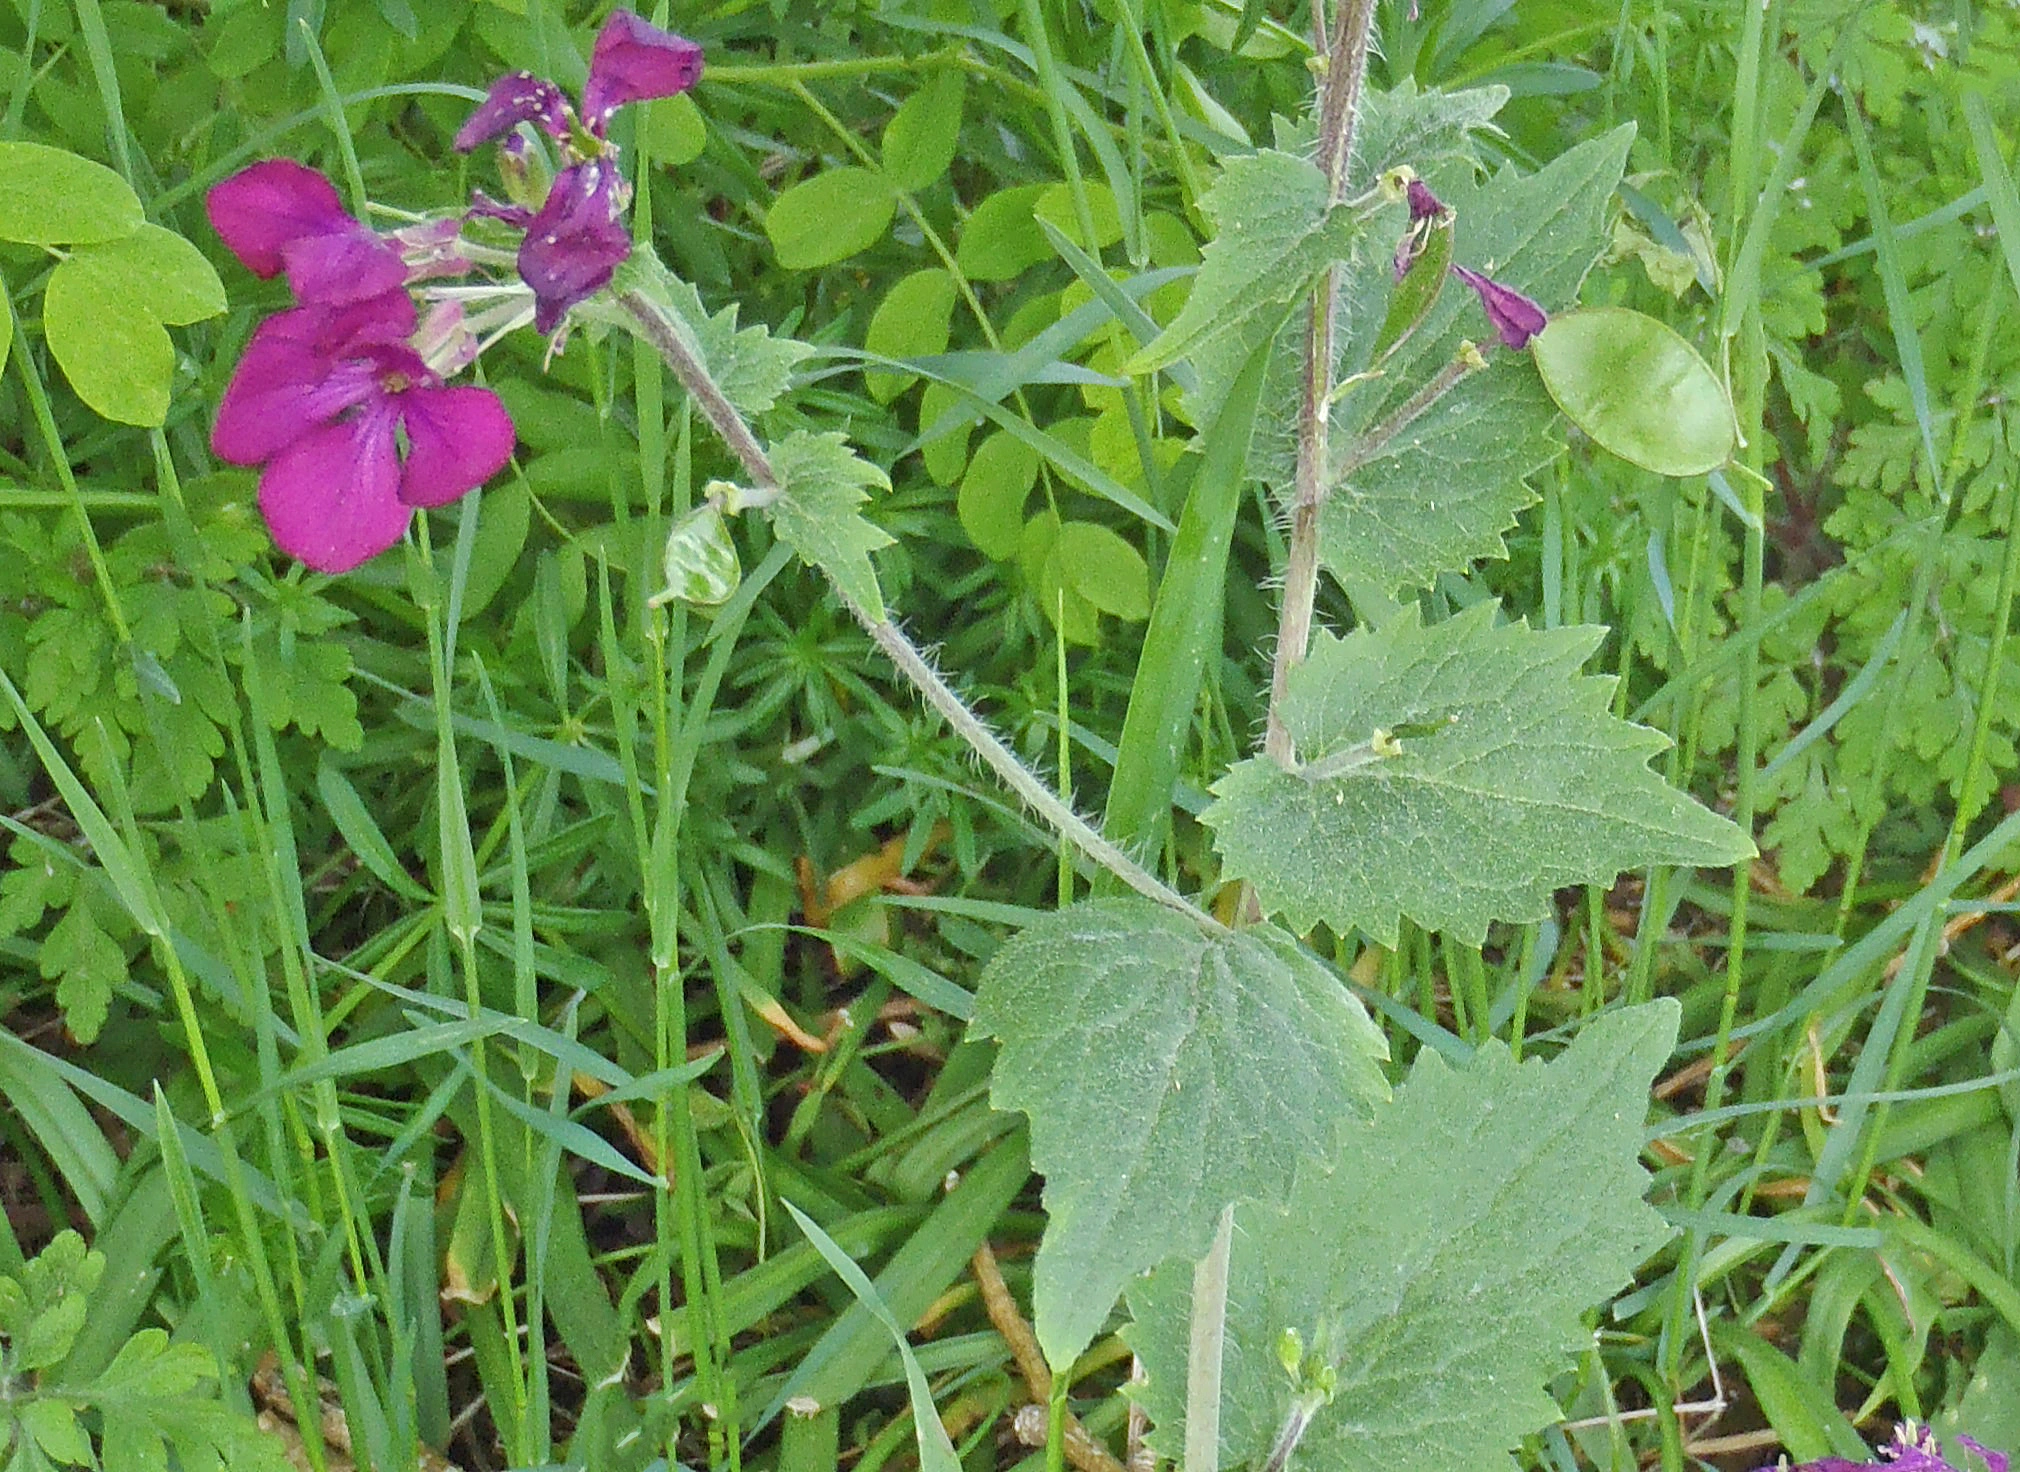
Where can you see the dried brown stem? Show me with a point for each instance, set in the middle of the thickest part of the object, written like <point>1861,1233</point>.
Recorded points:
<point>1082,1449</point>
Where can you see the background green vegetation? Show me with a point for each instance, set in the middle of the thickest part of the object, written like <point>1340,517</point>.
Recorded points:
<point>290,829</point>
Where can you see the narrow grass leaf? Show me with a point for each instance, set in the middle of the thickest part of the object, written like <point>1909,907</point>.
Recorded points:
<point>1185,625</point>
<point>920,982</point>
<point>76,1149</point>
<point>936,1451</point>
<point>1800,1412</point>
<point>359,829</point>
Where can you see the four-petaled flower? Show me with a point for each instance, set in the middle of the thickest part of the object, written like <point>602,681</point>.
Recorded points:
<point>352,425</point>
<point>576,240</point>
<point>279,215</point>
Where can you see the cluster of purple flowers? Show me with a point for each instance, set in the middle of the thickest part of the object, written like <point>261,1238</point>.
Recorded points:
<point>342,399</point>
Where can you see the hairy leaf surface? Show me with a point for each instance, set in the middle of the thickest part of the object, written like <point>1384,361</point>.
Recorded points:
<point>1166,1072</point>
<point>824,483</point>
<point>750,366</point>
<point>1514,779</point>
<point>1440,1267</point>
<point>1274,230</point>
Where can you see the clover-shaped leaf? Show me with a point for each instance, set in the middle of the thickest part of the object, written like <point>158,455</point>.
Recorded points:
<point>50,196</point>
<point>104,311</point>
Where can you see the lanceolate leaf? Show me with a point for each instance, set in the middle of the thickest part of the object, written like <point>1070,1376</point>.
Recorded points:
<point>1439,1268</point>
<point>1274,230</point>
<point>1166,1072</point>
<point>1468,454</point>
<point>1508,778</point>
<point>822,483</point>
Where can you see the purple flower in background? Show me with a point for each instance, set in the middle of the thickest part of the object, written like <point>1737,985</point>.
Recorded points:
<point>515,98</point>
<point>576,240</point>
<point>635,61</point>
<point>325,403</point>
<point>1515,317</point>
<point>1913,1449</point>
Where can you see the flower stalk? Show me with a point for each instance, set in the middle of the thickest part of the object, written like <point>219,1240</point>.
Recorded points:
<point>730,426</point>
<point>1346,68</point>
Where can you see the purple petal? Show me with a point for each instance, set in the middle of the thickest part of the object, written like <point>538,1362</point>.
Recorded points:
<point>575,244</point>
<point>1515,317</point>
<point>635,61</point>
<point>259,210</point>
<point>281,390</point>
<point>484,207</point>
<point>1424,205</point>
<point>331,499</point>
<point>515,98</point>
<point>347,265</point>
<point>1994,1461</point>
<point>336,330</point>
<point>457,438</point>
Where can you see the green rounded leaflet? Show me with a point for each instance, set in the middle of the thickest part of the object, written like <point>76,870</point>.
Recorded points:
<point>1637,388</point>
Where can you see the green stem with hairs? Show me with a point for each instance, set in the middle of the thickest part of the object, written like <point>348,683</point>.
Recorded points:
<point>654,326</point>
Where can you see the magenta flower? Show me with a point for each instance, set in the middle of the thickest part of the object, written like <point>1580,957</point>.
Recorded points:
<point>1515,317</point>
<point>635,61</point>
<point>1424,205</point>
<point>279,215</point>
<point>341,400</point>
<point>354,430</point>
<point>575,244</point>
<point>1913,1449</point>
<point>576,240</point>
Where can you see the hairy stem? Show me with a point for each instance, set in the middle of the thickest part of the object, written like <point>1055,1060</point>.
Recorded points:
<point>654,326</point>
<point>1206,1347</point>
<point>1346,68</point>
<point>1297,1420</point>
